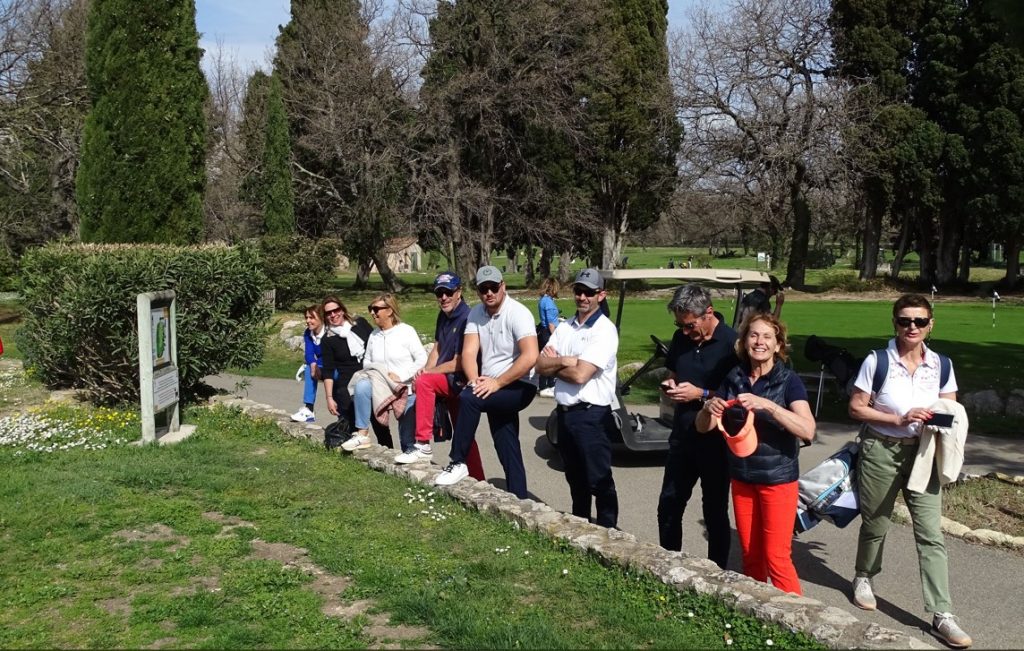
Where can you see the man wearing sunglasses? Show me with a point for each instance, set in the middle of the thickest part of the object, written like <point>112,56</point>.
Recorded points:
<point>499,348</point>
<point>702,352</point>
<point>442,377</point>
<point>581,357</point>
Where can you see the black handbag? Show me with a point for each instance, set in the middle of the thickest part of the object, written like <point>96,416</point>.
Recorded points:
<point>337,433</point>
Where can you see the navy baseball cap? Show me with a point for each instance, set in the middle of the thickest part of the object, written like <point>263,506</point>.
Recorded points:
<point>448,280</point>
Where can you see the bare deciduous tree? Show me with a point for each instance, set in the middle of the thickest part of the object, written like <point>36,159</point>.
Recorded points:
<point>762,121</point>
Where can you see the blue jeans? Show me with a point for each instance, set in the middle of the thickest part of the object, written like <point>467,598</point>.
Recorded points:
<point>502,408</point>
<point>363,402</point>
<point>586,449</point>
<point>309,387</point>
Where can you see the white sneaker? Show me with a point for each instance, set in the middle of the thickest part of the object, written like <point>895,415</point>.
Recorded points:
<point>304,415</point>
<point>945,628</point>
<point>547,393</point>
<point>419,452</point>
<point>356,442</point>
<point>453,473</point>
<point>863,595</point>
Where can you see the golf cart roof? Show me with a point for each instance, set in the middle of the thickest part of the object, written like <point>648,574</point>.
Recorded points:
<point>729,277</point>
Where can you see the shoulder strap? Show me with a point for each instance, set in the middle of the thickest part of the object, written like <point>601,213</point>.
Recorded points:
<point>945,366</point>
<point>881,370</point>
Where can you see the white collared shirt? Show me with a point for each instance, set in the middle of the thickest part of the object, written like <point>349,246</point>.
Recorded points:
<point>595,341</point>
<point>901,391</point>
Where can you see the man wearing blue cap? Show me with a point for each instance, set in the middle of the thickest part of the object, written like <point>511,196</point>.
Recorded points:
<point>441,376</point>
<point>502,331</point>
<point>581,358</point>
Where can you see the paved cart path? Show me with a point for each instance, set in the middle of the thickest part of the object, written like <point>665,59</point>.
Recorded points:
<point>987,583</point>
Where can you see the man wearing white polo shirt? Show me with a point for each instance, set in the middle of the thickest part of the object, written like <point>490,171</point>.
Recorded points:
<point>502,331</point>
<point>581,357</point>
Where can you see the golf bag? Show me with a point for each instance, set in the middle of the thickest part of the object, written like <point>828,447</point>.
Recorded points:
<point>837,360</point>
<point>828,491</point>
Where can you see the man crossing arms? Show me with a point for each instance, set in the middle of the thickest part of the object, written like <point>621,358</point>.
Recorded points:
<point>502,331</point>
<point>581,357</point>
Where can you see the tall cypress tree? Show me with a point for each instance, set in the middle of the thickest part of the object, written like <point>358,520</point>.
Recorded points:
<point>278,198</point>
<point>142,173</point>
<point>630,121</point>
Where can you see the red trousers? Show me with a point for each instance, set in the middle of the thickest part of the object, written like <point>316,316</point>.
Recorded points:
<point>428,387</point>
<point>764,521</point>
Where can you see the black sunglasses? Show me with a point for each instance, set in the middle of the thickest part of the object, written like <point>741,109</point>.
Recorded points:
<point>377,308</point>
<point>920,321</point>
<point>690,326</point>
<point>488,288</point>
<point>336,310</point>
<point>444,292</point>
<point>583,290</point>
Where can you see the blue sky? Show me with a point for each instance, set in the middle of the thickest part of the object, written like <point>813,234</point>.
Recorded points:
<point>247,28</point>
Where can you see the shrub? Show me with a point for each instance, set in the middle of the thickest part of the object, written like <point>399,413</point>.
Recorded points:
<point>820,258</point>
<point>297,267</point>
<point>80,330</point>
<point>847,281</point>
<point>8,271</point>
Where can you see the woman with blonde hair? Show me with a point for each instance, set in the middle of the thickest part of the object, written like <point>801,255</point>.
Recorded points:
<point>394,354</point>
<point>764,478</point>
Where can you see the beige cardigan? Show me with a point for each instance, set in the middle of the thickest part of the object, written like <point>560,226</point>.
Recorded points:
<point>941,448</point>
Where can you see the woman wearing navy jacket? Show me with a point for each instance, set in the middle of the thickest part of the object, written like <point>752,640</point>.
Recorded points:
<point>764,481</point>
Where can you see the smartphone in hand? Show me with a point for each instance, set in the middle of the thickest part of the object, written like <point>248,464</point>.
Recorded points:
<point>941,420</point>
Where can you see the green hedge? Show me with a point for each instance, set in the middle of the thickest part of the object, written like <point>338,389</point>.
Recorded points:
<point>298,267</point>
<point>81,329</point>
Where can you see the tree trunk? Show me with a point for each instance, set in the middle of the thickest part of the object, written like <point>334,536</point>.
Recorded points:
<point>391,281</point>
<point>611,239</point>
<point>362,274</point>
<point>512,253</point>
<point>926,252</point>
<point>797,268</point>
<point>964,275</point>
<point>901,250</point>
<point>544,266</point>
<point>1011,246</point>
<point>948,252</point>
<point>875,210</point>
<point>564,261</point>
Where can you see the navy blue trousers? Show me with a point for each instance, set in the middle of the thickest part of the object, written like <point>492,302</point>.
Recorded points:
<point>585,445</point>
<point>694,457</point>
<point>502,408</point>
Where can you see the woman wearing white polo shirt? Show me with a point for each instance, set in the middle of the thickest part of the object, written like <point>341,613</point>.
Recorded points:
<point>894,419</point>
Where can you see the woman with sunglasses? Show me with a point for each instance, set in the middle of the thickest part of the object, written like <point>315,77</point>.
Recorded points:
<point>395,348</point>
<point>342,348</point>
<point>764,482</point>
<point>888,446</point>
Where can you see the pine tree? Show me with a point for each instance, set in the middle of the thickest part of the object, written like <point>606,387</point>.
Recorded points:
<point>278,198</point>
<point>142,173</point>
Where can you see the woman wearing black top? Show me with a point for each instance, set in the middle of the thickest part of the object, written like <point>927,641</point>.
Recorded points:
<point>342,346</point>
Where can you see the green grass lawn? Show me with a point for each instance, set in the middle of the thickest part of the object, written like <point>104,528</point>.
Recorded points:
<point>124,547</point>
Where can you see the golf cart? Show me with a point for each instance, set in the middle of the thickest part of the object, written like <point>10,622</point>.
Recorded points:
<point>642,433</point>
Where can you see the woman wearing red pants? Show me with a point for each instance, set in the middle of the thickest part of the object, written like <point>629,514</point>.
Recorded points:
<point>764,478</point>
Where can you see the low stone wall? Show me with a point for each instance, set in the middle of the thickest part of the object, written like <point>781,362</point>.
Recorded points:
<point>831,626</point>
